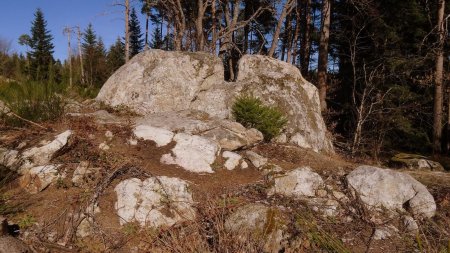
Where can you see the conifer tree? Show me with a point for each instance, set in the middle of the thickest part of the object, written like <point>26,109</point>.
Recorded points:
<point>157,40</point>
<point>115,57</point>
<point>136,41</point>
<point>89,47</point>
<point>41,48</point>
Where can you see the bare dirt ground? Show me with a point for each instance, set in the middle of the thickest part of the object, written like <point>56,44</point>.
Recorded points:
<point>218,194</point>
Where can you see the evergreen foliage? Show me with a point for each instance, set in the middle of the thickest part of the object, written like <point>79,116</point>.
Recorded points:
<point>94,56</point>
<point>116,56</point>
<point>251,113</point>
<point>40,42</point>
<point>136,40</point>
<point>157,41</point>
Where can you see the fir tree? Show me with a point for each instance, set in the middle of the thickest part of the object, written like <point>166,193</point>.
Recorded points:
<point>157,40</point>
<point>136,41</point>
<point>89,47</point>
<point>41,48</point>
<point>115,57</point>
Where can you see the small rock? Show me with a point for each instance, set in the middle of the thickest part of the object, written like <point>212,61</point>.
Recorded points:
<point>300,182</point>
<point>321,193</point>
<point>9,158</point>
<point>38,178</point>
<point>103,146</point>
<point>232,161</point>
<point>410,224</point>
<point>82,173</point>
<point>160,136</point>
<point>385,232</point>
<point>257,160</point>
<point>244,165</point>
<point>132,142</point>
<point>109,135</point>
<point>271,169</point>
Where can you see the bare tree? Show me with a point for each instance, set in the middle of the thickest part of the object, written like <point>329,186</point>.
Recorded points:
<point>323,54</point>
<point>287,8</point>
<point>68,31</point>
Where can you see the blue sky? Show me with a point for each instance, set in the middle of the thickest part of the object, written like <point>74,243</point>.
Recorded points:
<point>107,20</point>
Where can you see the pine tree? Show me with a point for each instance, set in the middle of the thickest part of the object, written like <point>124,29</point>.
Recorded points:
<point>136,41</point>
<point>41,53</point>
<point>115,57</point>
<point>89,47</point>
<point>157,41</point>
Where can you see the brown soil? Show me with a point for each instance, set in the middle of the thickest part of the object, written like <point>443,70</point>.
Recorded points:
<point>54,205</point>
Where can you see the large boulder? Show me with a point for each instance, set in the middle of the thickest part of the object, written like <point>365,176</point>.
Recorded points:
<point>157,81</point>
<point>281,84</point>
<point>155,202</point>
<point>160,81</point>
<point>384,189</point>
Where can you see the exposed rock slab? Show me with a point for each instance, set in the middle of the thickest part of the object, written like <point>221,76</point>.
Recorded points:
<point>232,160</point>
<point>300,182</point>
<point>380,188</point>
<point>38,178</point>
<point>257,160</point>
<point>255,219</point>
<point>160,136</point>
<point>155,202</point>
<point>230,135</point>
<point>192,153</point>
<point>38,156</point>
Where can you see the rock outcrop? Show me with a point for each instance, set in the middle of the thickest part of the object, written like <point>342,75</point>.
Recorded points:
<point>193,153</point>
<point>155,202</point>
<point>390,190</point>
<point>157,81</point>
<point>260,221</point>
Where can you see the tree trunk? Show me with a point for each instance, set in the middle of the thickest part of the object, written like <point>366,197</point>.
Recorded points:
<point>323,54</point>
<point>286,10</point>
<point>438,81</point>
<point>214,31</point>
<point>147,17</point>
<point>127,30</point>
<point>305,45</point>
<point>199,24</point>
<point>293,53</point>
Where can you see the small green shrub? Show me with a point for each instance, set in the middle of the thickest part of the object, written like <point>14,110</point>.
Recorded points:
<point>27,221</point>
<point>250,112</point>
<point>35,101</point>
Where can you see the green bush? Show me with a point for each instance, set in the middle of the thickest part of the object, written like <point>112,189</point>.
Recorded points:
<point>35,101</point>
<point>250,112</point>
